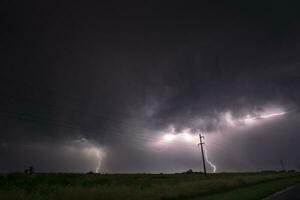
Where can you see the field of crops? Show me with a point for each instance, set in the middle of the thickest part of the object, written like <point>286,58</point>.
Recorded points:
<point>56,186</point>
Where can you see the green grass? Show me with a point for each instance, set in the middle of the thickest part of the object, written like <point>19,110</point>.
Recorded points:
<point>140,186</point>
<point>253,192</point>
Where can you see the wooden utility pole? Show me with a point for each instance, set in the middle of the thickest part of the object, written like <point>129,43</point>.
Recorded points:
<point>203,159</point>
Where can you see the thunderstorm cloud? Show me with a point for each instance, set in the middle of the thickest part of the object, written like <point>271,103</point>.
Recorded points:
<point>117,87</point>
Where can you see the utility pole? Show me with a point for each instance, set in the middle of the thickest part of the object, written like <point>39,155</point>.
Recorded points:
<point>201,145</point>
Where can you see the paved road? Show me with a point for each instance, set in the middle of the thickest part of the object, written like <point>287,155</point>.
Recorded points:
<point>292,193</point>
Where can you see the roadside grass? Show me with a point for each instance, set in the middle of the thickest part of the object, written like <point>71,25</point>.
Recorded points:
<point>253,192</point>
<point>19,186</point>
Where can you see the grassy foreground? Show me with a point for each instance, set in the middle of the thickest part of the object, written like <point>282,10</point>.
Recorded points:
<point>257,191</point>
<point>143,186</point>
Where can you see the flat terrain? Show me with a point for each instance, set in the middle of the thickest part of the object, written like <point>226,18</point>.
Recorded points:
<point>291,193</point>
<point>56,186</point>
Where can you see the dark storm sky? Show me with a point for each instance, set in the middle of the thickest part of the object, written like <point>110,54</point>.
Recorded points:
<point>114,75</point>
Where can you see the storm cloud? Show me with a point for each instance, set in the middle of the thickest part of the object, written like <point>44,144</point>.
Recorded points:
<point>106,81</point>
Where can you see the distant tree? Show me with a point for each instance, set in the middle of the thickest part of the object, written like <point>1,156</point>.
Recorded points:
<point>29,170</point>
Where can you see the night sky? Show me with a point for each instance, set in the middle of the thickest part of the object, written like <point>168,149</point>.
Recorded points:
<point>112,86</point>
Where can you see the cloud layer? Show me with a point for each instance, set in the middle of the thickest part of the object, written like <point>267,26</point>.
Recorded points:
<point>118,77</point>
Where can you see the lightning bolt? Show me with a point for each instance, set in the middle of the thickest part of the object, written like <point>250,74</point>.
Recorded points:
<point>265,116</point>
<point>272,115</point>
<point>247,119</point>
<point>209,162</point>
<point>99,161</point>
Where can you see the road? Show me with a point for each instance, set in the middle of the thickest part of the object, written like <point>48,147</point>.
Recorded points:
<point>291,193</point>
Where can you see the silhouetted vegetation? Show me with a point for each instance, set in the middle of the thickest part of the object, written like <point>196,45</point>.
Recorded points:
<point>29,170</point>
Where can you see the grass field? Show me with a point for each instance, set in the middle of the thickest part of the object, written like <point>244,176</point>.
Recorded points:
<point>143,186</point>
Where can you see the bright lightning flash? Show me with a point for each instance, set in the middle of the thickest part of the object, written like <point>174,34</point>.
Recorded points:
<point>209,162</point>
<point>169,137</point>
<point>186,136</point>
<point>249,119</point>
<point>272,115</point>
<point>233,122</point>
<point>91,150</point>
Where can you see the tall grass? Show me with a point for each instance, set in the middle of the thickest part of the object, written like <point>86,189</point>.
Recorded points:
<point>124,186</point>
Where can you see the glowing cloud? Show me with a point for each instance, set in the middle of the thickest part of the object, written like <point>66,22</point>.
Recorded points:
<point>187,137</point>
<point>226,122</point>
<point>169,137</point>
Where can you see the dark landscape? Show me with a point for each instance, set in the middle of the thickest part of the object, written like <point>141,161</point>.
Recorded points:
<point>144,186</point>
<point>150,100</point>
